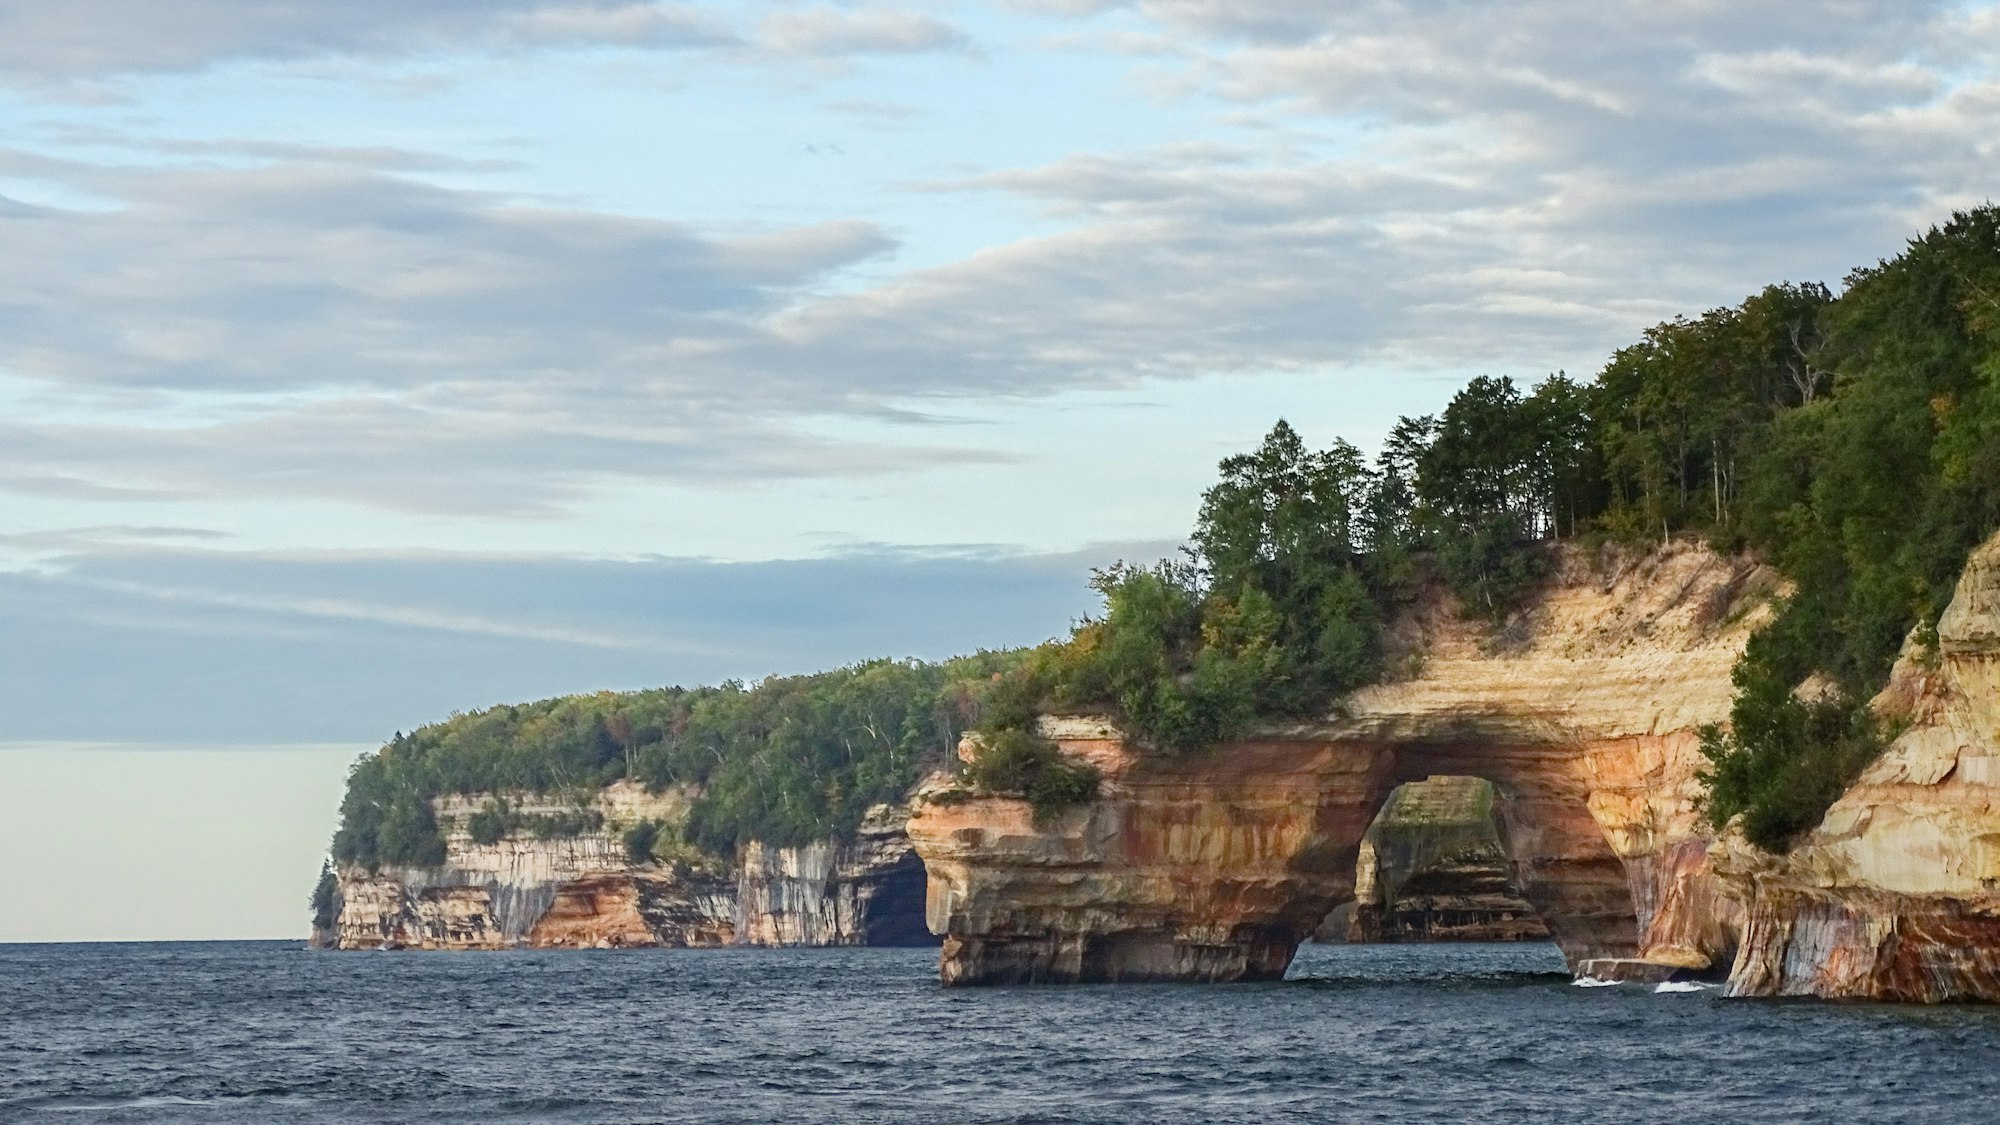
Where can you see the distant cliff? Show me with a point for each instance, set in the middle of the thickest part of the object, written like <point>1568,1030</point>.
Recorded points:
<point>584,887</point>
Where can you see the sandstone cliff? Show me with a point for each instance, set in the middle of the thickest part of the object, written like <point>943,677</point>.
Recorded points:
<point>1896,895</point>
<point>1583,713</point>
<point>583,891</point>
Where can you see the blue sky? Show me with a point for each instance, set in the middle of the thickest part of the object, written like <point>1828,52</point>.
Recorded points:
<point>360,362</point>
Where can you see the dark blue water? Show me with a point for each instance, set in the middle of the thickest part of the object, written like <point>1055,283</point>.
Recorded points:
<point>261,1031</point>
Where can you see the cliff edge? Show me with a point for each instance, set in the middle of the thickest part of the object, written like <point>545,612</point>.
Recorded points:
<point>1896,894</point>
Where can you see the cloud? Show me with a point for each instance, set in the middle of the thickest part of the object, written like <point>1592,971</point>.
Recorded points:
<point>69,540</point>
<point>825,30</point>
<point>327,329</point>
<point>146,643</point>
<point>92,41</point>
<point>1436,186</point>
<point>300,275</point>
<point>1471,184</point>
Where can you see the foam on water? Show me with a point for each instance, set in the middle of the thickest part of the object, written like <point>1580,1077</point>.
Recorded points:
<point>260,1032</point>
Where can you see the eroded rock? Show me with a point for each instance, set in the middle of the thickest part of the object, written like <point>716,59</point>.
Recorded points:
<point>1896,894</point>
<point>1214,866</point>
<point>583,891</point>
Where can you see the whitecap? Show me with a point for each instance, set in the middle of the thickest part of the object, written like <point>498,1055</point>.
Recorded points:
<point>1683,986</point>
<point>1594,982</point>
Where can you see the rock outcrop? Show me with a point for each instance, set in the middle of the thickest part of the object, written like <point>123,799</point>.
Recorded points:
<point>1583,712</point>
<point>1896,894</point>
<point>1432,868</point>
<point>581,889</point>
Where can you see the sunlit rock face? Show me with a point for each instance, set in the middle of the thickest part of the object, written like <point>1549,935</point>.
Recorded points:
<point>1896,894</point>
<point>1432,868</point>
<point>638,910</point>
<point>584,891</point>
<point>1582,712</point>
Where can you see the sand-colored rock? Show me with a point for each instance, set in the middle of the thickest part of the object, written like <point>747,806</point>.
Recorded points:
<point>585,891</point>
<point>638,910</point>
<point>1582,712</point>
<point>864,891</point>
<point>1896,894</point>
<point>381,913</point>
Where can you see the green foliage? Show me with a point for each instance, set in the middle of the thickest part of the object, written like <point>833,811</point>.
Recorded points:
<point>639,840</point>
<point>1500,473</point>
<point>1784,763</point>
<point>1869,490</point>
<point>1015,761</point>
<point>569,822</point>
<point>1683,413</point>
<point>1275,621</point>
<point>324,896</point>
<point>1490,564</point>
<point>1854,442</point>
<point>491,823</point>
<point>787,761</point>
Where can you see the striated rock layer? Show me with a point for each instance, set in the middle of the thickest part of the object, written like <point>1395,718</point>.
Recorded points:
<point>1582,713</point>
<point>1896,894</point>
<point>583,891</point>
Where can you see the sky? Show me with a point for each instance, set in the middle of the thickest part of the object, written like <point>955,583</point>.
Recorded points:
<point>361,362</point>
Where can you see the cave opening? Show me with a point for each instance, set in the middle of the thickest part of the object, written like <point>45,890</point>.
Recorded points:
<point>1433,866</point>
<point>894,913</point>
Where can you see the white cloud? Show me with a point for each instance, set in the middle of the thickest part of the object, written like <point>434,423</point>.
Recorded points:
<point>825,30</point>
<point>86,41</point>
<point>1515,187</point>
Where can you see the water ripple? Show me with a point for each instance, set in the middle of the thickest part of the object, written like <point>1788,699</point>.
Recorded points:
<point>255,1032</point>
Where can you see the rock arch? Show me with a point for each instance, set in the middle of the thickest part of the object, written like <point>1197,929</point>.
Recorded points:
<point>1186,871</point>
<point>1215,866</point>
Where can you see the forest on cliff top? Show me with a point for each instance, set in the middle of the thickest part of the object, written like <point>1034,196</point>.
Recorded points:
<point>1853,441</point>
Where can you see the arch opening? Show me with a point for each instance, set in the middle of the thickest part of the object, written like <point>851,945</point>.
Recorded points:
<point>1433,868</point>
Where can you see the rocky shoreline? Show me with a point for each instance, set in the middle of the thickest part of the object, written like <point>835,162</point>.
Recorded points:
<point>1584,715</point>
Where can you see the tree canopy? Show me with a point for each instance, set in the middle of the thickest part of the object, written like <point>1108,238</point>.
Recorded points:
<point>1852,440</point>
<point>786,761</point>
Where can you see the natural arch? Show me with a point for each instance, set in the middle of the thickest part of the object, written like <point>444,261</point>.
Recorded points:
<point>1434,869</point>
<point>1216,867</point>
<point>1564,864</point>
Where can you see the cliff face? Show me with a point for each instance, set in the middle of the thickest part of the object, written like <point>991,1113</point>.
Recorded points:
<point>583,891</point>
<point>1896,894</point>
<point>1582,713</point>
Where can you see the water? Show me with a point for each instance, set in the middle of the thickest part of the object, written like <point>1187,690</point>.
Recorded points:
<point>264,1031</point>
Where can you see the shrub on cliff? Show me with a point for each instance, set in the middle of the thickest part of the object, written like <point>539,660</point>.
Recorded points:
<point>491,823</point>
<point>325,897</point>
<point>1015,761</point>
<point>639,840</point>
